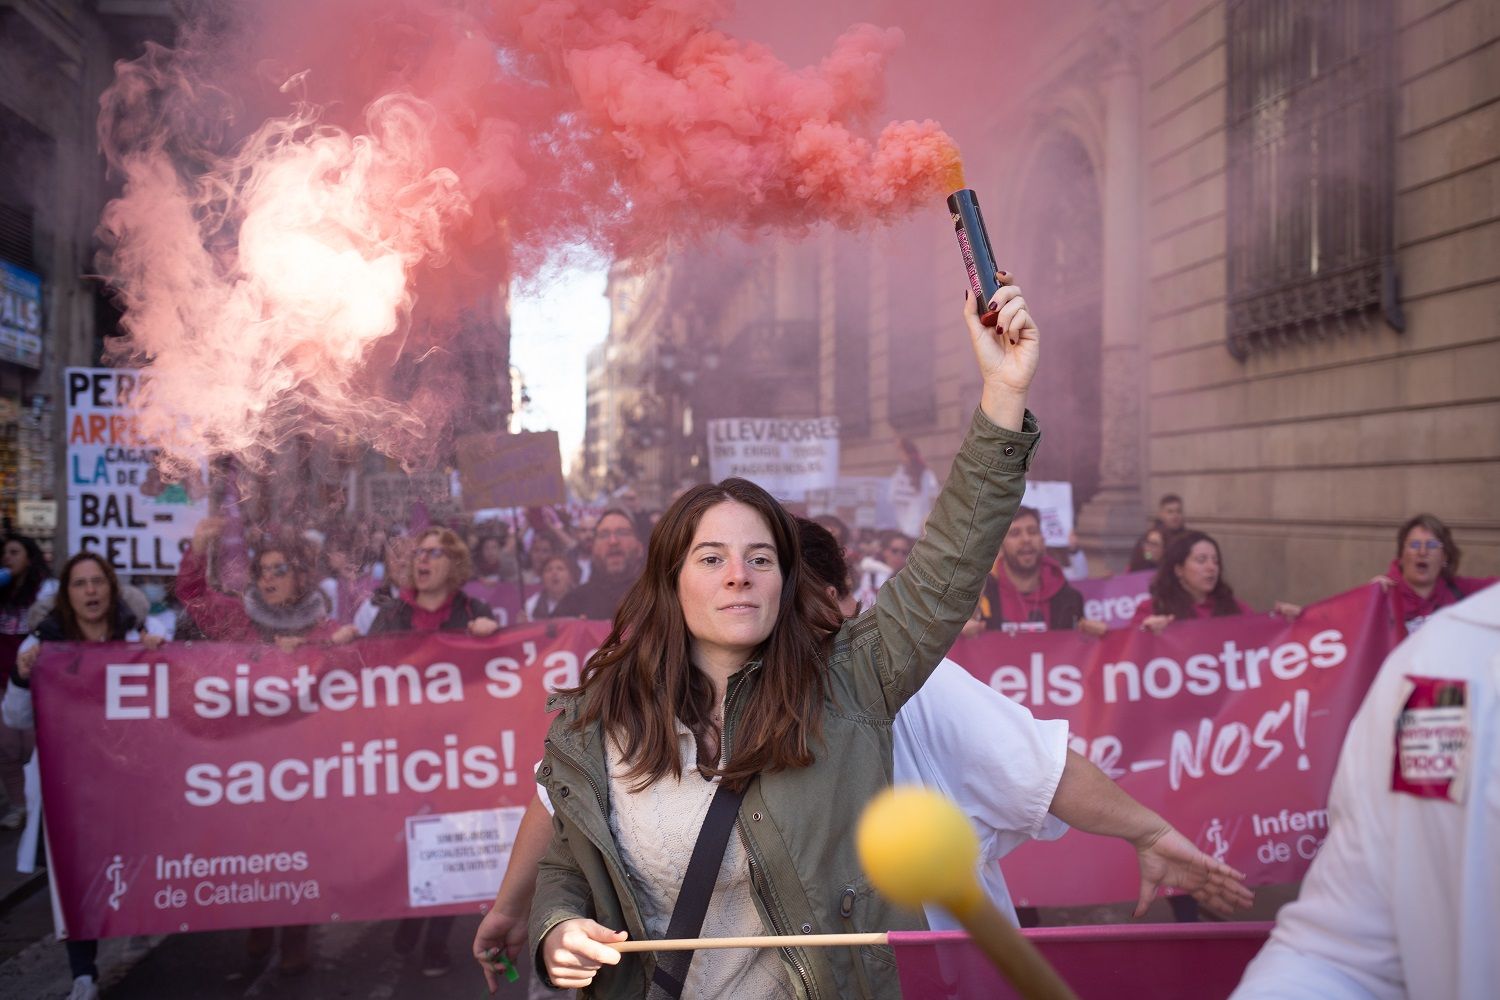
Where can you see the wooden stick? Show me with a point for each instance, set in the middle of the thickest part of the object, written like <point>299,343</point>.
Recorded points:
<point>1016,957</point>
<point>766,941</point>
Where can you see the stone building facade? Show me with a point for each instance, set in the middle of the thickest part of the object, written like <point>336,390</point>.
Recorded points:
<point>56,56</point>
<point>1263,240</point>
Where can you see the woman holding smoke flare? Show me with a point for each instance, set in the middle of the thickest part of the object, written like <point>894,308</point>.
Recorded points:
<point>727,662</point>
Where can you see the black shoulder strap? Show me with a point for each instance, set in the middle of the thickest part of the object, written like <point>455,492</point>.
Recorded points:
<point>697,887</point>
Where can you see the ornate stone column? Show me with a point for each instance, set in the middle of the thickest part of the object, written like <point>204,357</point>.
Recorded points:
<point>1111,522</point>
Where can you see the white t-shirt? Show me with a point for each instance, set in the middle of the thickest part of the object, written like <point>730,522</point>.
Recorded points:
<point>984,751</point>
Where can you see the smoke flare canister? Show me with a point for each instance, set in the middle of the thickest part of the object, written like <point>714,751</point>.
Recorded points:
<point>979,257</point>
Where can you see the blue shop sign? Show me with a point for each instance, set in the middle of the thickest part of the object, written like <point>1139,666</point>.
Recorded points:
<point>20,316</point>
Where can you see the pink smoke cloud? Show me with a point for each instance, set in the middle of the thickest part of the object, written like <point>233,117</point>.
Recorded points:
<point>407,158</point>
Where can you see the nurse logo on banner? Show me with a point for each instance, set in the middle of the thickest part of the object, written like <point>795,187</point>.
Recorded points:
<point>114,874</point>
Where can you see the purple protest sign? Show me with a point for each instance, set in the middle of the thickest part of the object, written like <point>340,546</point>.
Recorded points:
<point>1113,599</point>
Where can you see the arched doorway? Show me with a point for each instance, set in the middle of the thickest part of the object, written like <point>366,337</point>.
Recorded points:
<point>1059,226</point>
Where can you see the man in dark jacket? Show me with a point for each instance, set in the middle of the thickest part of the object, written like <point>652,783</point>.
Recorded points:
<point>1028,592</point>
<point>616,561</point>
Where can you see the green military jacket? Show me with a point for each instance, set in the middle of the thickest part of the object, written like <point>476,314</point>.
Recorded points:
<point>797,825</point>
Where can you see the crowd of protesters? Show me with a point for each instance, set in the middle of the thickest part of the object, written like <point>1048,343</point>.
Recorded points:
<point>335,583</point>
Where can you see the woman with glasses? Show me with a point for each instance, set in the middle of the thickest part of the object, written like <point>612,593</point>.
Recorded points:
<point>282,603</point>
<point>89,609</point>
<point>1148,550</point>
<point>1424,575</point>
<point>434,600</point>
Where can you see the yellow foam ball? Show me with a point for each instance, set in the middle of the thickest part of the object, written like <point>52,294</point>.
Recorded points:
<point>917,847</point>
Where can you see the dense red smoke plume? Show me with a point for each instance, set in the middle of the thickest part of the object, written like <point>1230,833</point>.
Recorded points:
<point>317,191</point>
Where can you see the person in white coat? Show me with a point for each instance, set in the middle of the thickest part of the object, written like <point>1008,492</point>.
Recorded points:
<point>1403,899</point>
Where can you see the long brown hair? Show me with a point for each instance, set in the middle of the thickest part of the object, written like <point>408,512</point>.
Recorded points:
<point>68,618</point>
<point>1169,597</point>
<point>642,679</point>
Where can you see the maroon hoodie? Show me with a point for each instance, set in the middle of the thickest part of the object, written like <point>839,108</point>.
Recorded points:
<point>1411,609</point>
<point>1054,603</point>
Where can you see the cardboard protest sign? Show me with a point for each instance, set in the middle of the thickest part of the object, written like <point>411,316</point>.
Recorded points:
<point>510,470</point>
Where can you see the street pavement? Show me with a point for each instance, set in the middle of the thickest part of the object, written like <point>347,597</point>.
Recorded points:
<point>350,961</point>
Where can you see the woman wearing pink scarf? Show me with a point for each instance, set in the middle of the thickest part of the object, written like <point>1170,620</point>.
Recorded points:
<point>1424,575</point>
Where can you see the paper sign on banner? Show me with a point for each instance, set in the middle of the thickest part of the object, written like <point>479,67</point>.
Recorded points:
<point>459,857</point>
<point>1054,502</point>
<point>785,457</point>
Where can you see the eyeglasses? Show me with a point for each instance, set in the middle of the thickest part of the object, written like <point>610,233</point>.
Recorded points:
<point>277,569</point>
<point>430,552</point>
<point>1419,545</point>
<point>613,534</point>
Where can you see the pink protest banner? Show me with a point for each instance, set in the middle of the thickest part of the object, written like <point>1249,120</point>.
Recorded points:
<point>1228,727</point>
<point>1113,599</point>
<point>206,786</point>
<point>1123,962</point>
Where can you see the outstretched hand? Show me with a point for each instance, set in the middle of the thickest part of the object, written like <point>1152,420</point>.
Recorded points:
<point>1169,860</point>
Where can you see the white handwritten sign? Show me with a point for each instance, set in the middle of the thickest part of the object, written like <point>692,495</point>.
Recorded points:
<point>786,457</point>
<point>118,505</point>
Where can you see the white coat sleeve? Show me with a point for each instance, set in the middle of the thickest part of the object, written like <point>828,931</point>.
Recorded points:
<point>1337,941</point>
<point>987,753</point>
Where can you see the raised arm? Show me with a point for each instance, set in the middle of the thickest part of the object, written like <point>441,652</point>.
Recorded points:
<point>1088,800</point>
<point>214,612</point>
<point>922,609</point>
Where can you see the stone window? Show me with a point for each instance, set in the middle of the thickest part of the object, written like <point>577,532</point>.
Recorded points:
<point>1310,155</point>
